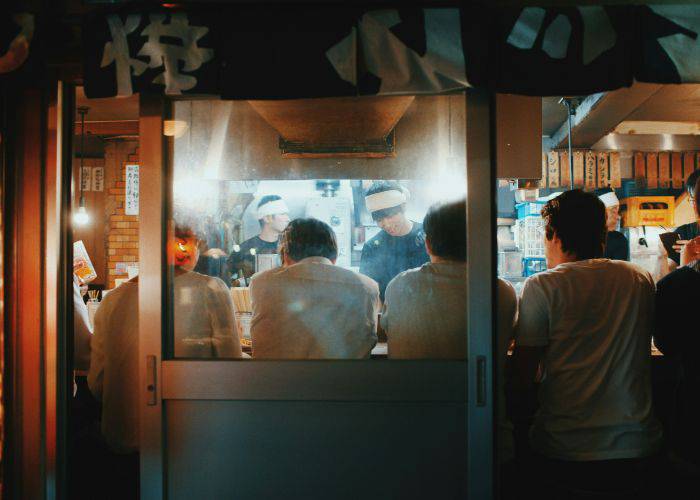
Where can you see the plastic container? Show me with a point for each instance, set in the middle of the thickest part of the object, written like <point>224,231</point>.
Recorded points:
<point>529,209</point>
<point>529,235</point>
<point>647,211</point>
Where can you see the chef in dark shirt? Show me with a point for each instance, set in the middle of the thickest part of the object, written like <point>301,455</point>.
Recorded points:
<point>401,243</point>
<point>273,215</point>
<point>687,232</point>
<point>616,245</point>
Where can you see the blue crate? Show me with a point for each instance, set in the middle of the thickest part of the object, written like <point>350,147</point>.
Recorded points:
<point>529,209</point>
<point>534,265</point>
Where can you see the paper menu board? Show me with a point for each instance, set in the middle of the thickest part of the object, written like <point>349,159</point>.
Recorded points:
<point>82,265</point>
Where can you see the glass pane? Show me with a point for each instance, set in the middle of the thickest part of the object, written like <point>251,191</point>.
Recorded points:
<point>291,218</point>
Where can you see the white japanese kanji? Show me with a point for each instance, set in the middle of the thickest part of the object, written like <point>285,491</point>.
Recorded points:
<point>168,55</point>
<point>117,51</point>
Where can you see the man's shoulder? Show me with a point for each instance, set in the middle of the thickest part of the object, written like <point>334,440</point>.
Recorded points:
<point>406,280</point>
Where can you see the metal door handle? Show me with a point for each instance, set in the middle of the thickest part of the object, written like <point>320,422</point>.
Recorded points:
<point>151,380</point>
<point>481,381</point>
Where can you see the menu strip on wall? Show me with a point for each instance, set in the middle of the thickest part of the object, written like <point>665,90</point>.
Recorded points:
<point>676,171</point>
<point>603,170</point>
<point>553,169</point>
<point>543,180</point>
<point>639,166</point>
<point>615,174</point>
<point>590,170</point>
<point>565,169</point>
<point>664,170</point>
<point>578,169</point>
<point>652,170</point>
<point>131,200</point>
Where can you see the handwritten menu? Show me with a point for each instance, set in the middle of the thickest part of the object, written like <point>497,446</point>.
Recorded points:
<point>664,170</point>
<point>553,169</point>
<point>98,179</point>
<point>590,170</point>
<point>85,175</point>
<point>565,169</point>
<point>652,170</point>
<point>543,180</point>
<point>615,174</point>
<point>603,170</point>
<point>578,168</point>
<point>131,200</point>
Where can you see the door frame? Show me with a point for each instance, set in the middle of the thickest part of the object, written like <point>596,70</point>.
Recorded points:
<point>162,379</point>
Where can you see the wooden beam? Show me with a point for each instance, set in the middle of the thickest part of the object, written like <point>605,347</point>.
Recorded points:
<point>104,128</point>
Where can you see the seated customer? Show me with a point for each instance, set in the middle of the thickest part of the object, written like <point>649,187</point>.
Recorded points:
<point>585,322</point>
<point>425,309</point>
<point>676,335</point>
<point>203,328</point>
<point>310,308</point>
<point>203,307</point>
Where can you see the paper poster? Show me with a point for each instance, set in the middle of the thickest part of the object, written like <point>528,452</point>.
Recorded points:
<point>565,169</point>
<point>652,170</point>
<point>98,179</point>
<point>603,170</point>
<point>614,167</point>
<point>85,178</point>
<point>590,170</point>
<point>578,169</point>
<point>676,171</point>
<point>664,170</point>
<point>553,169</point>
<point>82,265</point>
<point>131,199</point>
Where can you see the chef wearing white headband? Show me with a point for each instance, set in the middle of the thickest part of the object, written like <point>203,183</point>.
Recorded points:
<point>401,243</point>
<point>273,215</point>
<point>616,245</point>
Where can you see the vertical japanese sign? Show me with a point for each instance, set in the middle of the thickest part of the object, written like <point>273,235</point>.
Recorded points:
<point>565,169</point>
<point>676,171</point>
<point>553,169</point>
<point>590,171</point>
<point>98,179</point>
<point>614,167</point>
<point>578,169</point>
<point>85,179</point>
<point>543,180</point>
<point>131,200</point>
<point>603,170</point>
<point>664,170</point>
<point>652,170</point>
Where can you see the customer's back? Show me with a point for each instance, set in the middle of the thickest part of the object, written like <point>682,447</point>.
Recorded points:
<point>310,308</point>
<point>114,367</point>
<point>595,396</point>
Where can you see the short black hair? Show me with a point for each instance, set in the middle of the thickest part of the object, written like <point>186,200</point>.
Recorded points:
<point>380,187</point>
<point>578,219</point>
<point>445,227</point>
<point>308,238</point>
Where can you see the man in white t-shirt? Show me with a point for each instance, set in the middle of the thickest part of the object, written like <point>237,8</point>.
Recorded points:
<point>586,324</point>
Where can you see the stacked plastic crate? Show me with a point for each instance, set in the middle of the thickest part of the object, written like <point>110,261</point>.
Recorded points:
<point>529,235</point>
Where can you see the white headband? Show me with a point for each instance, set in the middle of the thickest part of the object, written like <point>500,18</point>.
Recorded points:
<point>609,199</point>
<point>385,199</point>
<point>273,208</point>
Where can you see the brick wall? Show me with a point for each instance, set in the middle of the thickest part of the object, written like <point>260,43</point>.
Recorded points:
<point>123,230</point>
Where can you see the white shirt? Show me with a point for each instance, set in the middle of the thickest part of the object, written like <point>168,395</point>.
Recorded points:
<point>82,333</point>
<point>425,312</point>
<point>204,320</point>
<point>114,367</point>
<point>313,310</point>
<point>425,317</point>
<point>202,313</point>
<point>594,317</point>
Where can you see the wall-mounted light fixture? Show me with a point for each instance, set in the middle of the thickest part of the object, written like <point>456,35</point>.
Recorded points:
<point>81,217</point>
